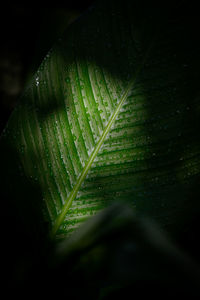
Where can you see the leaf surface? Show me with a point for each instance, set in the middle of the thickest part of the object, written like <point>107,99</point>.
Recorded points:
<point>111,114</point>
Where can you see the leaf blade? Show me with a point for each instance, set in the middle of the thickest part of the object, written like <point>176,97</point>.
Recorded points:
<point>69,104</point>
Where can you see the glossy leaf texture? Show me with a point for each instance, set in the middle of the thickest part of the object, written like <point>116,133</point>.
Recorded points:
<point>112,114</point>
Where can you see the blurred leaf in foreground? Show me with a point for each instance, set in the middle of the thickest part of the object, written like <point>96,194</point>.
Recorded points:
<point>115,254</point>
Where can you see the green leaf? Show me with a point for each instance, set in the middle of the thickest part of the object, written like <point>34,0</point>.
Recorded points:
<point>112,114</point>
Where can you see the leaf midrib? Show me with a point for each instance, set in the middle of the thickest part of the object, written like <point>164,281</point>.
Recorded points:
<point>81,178</point>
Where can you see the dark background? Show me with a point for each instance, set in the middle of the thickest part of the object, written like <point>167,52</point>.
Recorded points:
<point>27,31</point>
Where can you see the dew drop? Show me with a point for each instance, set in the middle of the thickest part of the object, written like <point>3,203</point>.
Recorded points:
<point>37,81</point>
